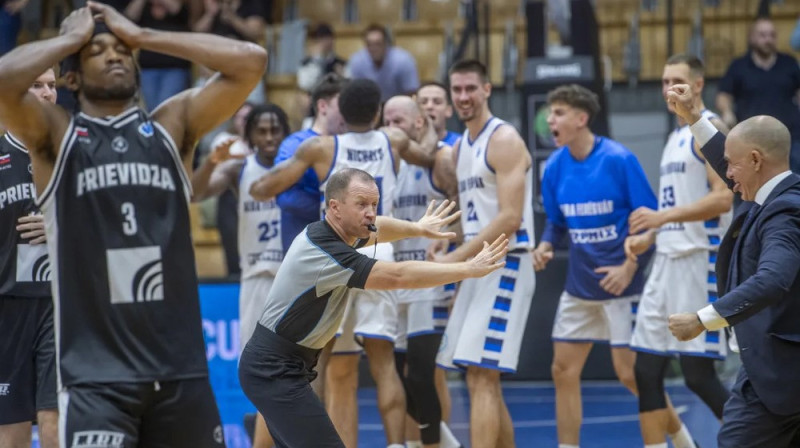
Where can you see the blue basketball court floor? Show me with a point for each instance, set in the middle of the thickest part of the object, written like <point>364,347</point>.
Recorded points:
<point>610,418</point>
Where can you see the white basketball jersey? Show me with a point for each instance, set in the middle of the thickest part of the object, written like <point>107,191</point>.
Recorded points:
<point>260,247</point>
<point>684,180</point>
<point>477,189</point>
<point>415,190</point>
<point>371,152</point>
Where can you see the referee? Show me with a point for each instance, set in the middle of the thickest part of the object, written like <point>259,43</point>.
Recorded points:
<point>306,303</point>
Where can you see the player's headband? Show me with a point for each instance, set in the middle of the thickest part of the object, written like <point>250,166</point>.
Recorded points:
<point>71,62</point>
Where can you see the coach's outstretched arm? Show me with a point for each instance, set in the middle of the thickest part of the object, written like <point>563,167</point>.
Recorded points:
<point>191,114</point>
<point>429,226</point>
<point>426,274</point>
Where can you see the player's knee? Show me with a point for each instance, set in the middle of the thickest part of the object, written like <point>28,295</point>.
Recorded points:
<point>564,371</point>
<point>479,378</point>
<point>649,381</point>
<point>627,377</point>
<point>341,370</point>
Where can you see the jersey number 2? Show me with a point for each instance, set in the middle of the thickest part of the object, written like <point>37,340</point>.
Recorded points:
<point>269,230</point>
<point>129,226</point>
<point>472,215</point>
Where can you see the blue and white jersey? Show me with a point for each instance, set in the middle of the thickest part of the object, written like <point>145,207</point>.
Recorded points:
<point>684,180</point>
<point>260,244</point>
<point>451,138</point>
<point>477,188</point>
<point>591,200</point>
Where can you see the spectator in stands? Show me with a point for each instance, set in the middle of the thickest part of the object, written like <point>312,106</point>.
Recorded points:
<point>795,39</point>
<point>763,82</point>
<point>321,58</point>
<point>237,19</point>
<point>10,23</point>
<point>393,68</point>
<point>162,76</point>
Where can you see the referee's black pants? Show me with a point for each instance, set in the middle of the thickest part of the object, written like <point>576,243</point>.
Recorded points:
<point>275,374</point>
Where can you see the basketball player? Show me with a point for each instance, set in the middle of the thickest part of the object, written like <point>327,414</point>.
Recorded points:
<point>693,215</point>
<point>590,187</point>
<point>422,313</point>
<point>115,192</point>
<point>306,305</point>
<point>488,319</point>
<point>27,350</point>
<point>259,234</point>
<point>434,99</point>
<point>372,315</point>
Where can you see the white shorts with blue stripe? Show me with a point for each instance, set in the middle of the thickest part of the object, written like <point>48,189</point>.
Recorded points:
<point>489,316</point>
<point>682,284</point>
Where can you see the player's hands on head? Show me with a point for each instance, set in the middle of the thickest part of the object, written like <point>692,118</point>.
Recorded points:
<point>79,23</point>
<point>681,98</point>
<point>222,152</point>
<point>541,256</point>
<point>121,26</point>
<point>436,218</point>
<point>31,228</point>
<point>644,218</point>
<point>490,258</point>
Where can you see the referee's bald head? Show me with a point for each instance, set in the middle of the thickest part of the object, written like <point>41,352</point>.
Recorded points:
<point>340,181</point>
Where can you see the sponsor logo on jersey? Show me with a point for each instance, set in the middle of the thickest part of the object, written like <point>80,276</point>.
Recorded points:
<point>595,235</point>
<point>5,389</point>
<point>98,439</point>
<point>591,208</point>
<point>405,255</point>
<point>30,168</point>
<point>119,144</point>
<point>115,174</point>
<point>470,183</point>
<point>135,274</point>
<point>673,167</point>
<point>218,434</point>
<point>33,264</point>
<point>412,200</point>
<point>16,193</point>
<point>5,159</point>
<point>83,134</point>
<point>146,129</point>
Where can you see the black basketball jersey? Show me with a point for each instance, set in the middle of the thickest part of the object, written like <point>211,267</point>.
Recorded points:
<point>125,287</point>
<point>24,268</point>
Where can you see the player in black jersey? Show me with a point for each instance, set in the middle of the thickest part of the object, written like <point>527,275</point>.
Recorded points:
<point>27,350</point>
<point>115,192</point>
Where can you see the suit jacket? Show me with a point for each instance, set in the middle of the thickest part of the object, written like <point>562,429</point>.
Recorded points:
<point>759,289</point>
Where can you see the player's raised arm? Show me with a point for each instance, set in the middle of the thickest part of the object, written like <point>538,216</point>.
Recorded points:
<point>191,114</point>
<point>426,274</point>
<point>311,153</point>
<point>422,153</point>
<point>217,173</point>
<point>38,124</point>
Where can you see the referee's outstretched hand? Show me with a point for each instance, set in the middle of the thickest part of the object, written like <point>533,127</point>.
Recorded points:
<point>491,258</point>
<point>436,218</point>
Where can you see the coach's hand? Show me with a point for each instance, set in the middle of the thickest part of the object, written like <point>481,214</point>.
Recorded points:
<point>617,278</point>
<point>121,26</point>
<point>436,218</point>
<point>681,98</point>
<point>685,326</point>
<point>490,258</point>
<point>31,228</point>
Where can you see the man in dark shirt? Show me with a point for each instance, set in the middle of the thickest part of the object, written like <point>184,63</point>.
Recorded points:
<point>763,82</point>
<point>307,301</point>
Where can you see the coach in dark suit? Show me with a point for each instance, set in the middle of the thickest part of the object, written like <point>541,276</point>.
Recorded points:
<point>757,277</point>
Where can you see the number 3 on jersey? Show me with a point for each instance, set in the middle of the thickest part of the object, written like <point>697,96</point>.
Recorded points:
<point>667,197</point>
<point>129,226</point>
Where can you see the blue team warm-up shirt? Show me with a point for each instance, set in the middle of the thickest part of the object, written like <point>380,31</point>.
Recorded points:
<point>591,200</point>
<point>451,138</point>
<point>300,203</point>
